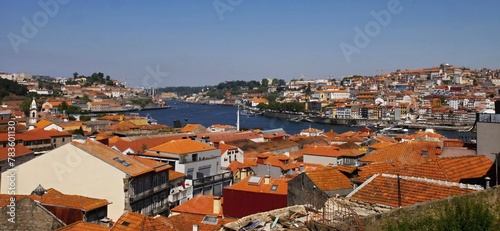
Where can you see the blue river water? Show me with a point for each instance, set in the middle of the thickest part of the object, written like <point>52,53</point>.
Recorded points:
<point>219,114</point>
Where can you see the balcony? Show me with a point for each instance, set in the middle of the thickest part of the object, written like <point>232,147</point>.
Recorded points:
<point>148,192</point>
<point>212,179</point>
<point>488,118</point>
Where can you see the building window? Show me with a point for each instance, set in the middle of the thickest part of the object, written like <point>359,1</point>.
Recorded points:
<point>155,181</point>
<point>162,200</point>
<point>62,139</point>
<point>155,200</point>
<point>139,188</point>
<point>195,157</point>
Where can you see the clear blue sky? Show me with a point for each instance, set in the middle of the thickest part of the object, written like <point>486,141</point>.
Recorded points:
<point>256,39</point>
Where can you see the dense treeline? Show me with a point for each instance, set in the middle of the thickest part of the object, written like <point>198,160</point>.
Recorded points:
<point>8,87</point>
<point>95,78</point>
<point>184,90</point>
<point>234,87</point>
<point>289,106</point>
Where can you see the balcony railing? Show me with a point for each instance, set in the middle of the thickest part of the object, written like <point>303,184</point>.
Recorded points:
<point>212,179</point>
<point>488,118</point>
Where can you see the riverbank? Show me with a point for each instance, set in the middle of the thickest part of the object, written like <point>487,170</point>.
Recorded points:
<point>301,117</point>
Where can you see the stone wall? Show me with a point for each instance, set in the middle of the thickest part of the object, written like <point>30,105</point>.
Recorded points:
<point>28,216</point>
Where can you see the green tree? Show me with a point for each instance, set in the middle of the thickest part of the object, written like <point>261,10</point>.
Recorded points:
<point>75,75</point>
<point>78,131</point>
<point>265,82</point>
<point>177,124</point>
<point>62,107</point>
<point>274,82</point>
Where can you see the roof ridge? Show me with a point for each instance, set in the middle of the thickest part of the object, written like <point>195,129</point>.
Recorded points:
<point>433,181</point>
<point>442,169</point>
<point>362,185</point>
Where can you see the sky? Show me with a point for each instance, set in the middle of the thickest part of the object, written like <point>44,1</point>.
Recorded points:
<point>161,43</point>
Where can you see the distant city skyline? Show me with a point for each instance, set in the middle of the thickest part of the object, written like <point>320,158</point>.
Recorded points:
<point>196,43</point>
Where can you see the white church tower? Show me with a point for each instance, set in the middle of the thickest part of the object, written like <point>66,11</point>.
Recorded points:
<point>33,114</point>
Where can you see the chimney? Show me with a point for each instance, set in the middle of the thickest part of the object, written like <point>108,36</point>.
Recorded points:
<point>195,227</point>
<point>267,179</point>
<point>217,205</point>
<point>243,173</point>
<point>301,168</point>
<point>487,182</point>
<point>425,153</point>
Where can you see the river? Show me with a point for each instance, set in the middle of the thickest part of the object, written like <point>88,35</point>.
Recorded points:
<point>219,114</point>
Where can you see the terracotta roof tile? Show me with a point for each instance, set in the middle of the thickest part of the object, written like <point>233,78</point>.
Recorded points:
<point>83,226</point>
<point>383,190</point>
<point>184,146</point>
<point>453,169</point>
<point>131,221</point>
<point>173,175</point>
<point>19,151</point>
<point>192,127</point>
<point>261,187</point>
<point>137,145</point>
<point>185,221</point>
<point>43,123</point>
<point>407,153</point>
<point>201,205</point>
<point>224,147</point>
<point>329,179</point>
<point>110,156</point>
<point>381,167</point>
<point>54,197</point>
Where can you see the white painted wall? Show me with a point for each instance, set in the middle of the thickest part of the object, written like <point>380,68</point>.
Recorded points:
<point>70,170</point>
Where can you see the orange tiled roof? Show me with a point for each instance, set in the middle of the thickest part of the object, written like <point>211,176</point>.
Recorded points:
<point>156,165</point>
<point>137,145</point>
<point>380,145</point>
<point>277,161</point>
<point>329,179</point>
<point>453,169</point>
<point>173,175</point>
<point>224,147</point>
<point>185,221</point>
<point>54,197</point>
<point>107,155</point>
<point>261,187</point>
<point>380,167</point>
<point>383,190</point>
<point>236,165</point>
<point>83,226</point>
<point>232,136</point>
<point>407,153</point>
<point>332,151</point>
<point>201,204</point>
<point>131,221</point>
<point>19,151</point>
<point>183,146</point>
<point>43,123</point>
<point>191,127</point>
